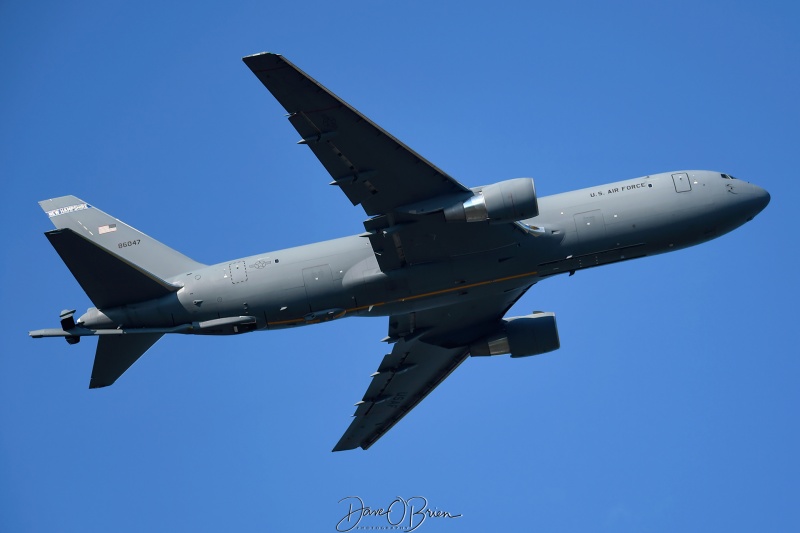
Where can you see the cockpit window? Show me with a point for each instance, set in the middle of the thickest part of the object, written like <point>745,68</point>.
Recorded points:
<point>727,176</point>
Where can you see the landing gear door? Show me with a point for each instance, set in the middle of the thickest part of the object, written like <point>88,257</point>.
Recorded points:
<point>682,182</point>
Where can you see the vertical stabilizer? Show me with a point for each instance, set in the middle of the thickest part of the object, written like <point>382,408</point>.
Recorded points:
<point>117,237</point>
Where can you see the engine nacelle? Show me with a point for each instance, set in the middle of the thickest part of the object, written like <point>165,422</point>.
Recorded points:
<point>506,201</point>
<point>521,336</point>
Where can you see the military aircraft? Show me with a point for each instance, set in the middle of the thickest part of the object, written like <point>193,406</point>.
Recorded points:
<point>443,261</point>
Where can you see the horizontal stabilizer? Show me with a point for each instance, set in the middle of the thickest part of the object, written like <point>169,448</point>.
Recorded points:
<point>107,279</point>
<point>115,354</point>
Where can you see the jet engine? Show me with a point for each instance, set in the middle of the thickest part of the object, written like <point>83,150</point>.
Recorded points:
<point>506,201</point>
<point>521,336</point>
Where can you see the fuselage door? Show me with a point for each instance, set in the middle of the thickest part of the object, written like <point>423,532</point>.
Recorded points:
<point>591,226</point>
<point>682,182</point>
<point>238,272</point>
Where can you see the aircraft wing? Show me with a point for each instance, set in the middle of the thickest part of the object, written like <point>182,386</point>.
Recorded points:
<point>394,184</point>
<point>431,344</point>
<point>372,168</point>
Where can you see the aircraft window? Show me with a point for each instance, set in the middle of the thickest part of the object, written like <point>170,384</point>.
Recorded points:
<point>725,176</point>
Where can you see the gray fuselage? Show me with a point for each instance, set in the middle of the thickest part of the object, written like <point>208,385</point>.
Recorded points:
<point>341,277</point>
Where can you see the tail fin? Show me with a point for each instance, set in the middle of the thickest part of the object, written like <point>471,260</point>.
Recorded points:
<point>114,263</point>
<point>116,237</point>
<point>116,353</point>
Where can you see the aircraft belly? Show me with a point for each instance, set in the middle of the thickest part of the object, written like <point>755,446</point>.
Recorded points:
<point>286,307</point>
<point>166,311</point>
<point>421,287</point>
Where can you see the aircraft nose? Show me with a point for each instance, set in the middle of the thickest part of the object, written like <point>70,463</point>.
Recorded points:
<point>763,197</point>
<point>759,199</point>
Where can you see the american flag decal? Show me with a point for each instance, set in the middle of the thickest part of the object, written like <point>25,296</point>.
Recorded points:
<point>107,229</point>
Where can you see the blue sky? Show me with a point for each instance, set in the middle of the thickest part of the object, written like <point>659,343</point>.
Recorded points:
<point>672,404</point>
